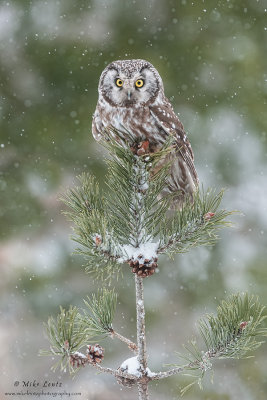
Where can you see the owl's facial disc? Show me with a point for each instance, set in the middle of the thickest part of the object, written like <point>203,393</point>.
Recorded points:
<point>125,90</point>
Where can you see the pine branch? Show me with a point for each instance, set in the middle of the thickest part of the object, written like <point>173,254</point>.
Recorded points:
<point>131,223</point>
<point>71,330</point>
<point>135,207</point>
<point>128,216</point>
<point>98,316</point>
<point>235,330</point>
<point>66,336</point>
<point>81,360</point>
<point>89,213</point>
<point>195,225</point>
<point>233,333</point>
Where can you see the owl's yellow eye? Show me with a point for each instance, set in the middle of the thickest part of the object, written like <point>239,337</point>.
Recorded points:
<point>119,82</point>
<point>139,83</point>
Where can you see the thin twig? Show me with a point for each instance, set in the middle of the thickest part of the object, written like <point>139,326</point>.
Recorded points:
<point>132,346</point>
<point>202,364</point>
<point>166,374</point>
<point>114,372</point>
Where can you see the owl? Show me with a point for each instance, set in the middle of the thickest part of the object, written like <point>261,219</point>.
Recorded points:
<point>131,98</point>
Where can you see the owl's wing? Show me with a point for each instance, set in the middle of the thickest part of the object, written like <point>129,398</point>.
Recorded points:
<point>170,123</point>
<point>97,126</point>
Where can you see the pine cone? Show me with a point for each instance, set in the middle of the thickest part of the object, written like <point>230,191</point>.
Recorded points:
<point>143,267</point>
<point>78,360</point>
<point>95,354</point>
<point>125,381</point>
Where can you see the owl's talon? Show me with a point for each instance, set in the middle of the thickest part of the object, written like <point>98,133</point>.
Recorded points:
<point>143,148</point>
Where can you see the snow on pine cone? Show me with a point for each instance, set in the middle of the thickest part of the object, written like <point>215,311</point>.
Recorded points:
<point>95,353</point>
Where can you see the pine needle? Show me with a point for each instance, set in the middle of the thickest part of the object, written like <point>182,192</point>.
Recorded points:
<point>99,313</point>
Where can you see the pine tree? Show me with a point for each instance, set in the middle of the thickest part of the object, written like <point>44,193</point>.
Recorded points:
<point>131,223</point>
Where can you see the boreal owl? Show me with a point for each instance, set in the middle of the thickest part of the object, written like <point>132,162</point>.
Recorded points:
<point>131,98</point>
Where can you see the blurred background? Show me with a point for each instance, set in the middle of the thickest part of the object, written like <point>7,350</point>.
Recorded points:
<point>212,57</point>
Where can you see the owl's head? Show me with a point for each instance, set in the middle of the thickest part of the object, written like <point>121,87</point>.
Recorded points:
<point>124,83</point>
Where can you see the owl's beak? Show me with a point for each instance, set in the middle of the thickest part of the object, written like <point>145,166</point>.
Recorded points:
<point>129,94</point>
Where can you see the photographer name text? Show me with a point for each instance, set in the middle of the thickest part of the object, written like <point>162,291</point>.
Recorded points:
<point>44,384</point>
